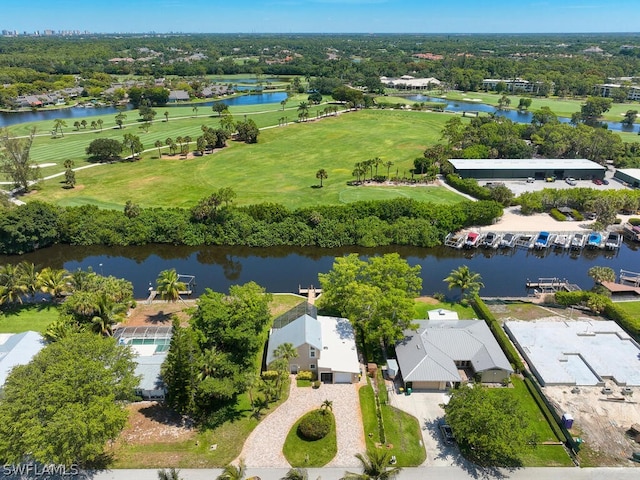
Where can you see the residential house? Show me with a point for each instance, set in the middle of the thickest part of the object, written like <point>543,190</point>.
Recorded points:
<point>17,349</point>
<point>444,353</point>
<point>178,96</point>
<point>325,345</point>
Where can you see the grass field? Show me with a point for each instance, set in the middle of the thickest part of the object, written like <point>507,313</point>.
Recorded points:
<point>280,168</point>
<point>402,430</point>
<point>30,316</point>
<point>632,308</point>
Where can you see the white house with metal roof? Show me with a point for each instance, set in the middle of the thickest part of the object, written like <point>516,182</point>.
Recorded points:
<point>325,345</point>
<point>150,344</point>
<point>17,349</point>
<point>443,353</point>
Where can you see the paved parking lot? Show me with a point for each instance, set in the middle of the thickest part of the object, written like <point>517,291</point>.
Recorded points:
<point>521,185</point>
<point>425,406</point>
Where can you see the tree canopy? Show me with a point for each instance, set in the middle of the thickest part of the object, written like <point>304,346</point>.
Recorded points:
<point>65,404</point>
<point>489,424</point>
<point>375,295</point>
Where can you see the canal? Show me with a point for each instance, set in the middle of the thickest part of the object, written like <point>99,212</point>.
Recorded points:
<point>504,273</point>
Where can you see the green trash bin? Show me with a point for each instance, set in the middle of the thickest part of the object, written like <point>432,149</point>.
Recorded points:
<point>409,391</point>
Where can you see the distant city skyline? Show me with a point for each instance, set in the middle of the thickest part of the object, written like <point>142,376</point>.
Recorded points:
<point>323,16</point>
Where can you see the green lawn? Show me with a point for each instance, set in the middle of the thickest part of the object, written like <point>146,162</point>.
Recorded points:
<point>300,452</point>
<point>632,308</point>
<point>280,168</point>
<point>30,316</point>
<point>539,455</point>
<point>401,429</point>
<point>464,312</point>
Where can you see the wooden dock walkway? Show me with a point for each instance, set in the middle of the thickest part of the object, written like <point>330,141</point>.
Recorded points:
<point>311,293</point>
<point>552,284</point>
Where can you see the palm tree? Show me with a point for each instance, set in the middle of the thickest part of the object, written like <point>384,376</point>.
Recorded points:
<point>83,123</point>
<point>106,314</point>
<point>170,474</point>
<point>76,124</point>
<point>159,144</point>
<point>100,122</point>
<point>166,116</point>
<point>303,110</point>
<point>322,174</point>
<point>327,406</point>
<point>296,474</point>
<point>376,465</point>
<point>58,123</point>
<point>388,164</point>
<point>232,472</point>
<point>11,288</point>
<point>169,285</point>
<point>467,281</point>
<point>285,351</point>
<point>53,281</point>
<point>195,110</point>
<point>28,278</point>
<point>602,274</point>
<point>94,125</point>
<point>377,161</point>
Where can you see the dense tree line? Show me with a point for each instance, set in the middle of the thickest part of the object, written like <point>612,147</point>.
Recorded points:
<point>369,223</point>
<point>36,65</point>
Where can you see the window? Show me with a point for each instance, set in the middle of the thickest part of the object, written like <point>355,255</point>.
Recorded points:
<point>312,352</point>
<point>312,366</point>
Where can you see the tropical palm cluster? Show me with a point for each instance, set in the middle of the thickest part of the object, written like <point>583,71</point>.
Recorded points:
<point>21,282</point>
<point>92,302</point>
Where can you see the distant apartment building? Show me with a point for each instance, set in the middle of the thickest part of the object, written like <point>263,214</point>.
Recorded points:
<point>606,90</point>
<point>513,85</point>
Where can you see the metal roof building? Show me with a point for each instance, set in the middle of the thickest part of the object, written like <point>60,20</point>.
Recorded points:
<point>17,349</point>
<point>150,344</point>
<point>438,353</point>
<point>538,168</point>
<point>630,176</point>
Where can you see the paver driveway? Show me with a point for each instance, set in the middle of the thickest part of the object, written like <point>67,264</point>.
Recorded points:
<point>263,448</point>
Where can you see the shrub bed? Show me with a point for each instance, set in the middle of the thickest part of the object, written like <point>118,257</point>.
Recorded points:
<point>469,186</point>
<point>315,425</point>
<point>634,221</point>
<point>557,215</point>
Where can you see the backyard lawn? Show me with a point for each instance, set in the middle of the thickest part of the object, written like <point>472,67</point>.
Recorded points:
<point>30,316</point>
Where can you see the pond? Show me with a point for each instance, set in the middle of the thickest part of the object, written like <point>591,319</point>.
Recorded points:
<point>513,115</point>
<point>15,118</point>
<point>504,273</point>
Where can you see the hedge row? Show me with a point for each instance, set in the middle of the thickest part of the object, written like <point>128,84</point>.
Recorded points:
<point>510,351</point>
<point>557,215</point>
<point>469,186</point>
<point>546,411</point>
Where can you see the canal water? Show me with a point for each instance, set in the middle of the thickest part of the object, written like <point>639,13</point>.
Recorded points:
<point>504,273</point>
<point>14,118</point>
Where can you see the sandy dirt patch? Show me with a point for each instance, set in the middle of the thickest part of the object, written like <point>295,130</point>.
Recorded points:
<point>150,422</point>
<point>158,314</point>
<point>601,421</point>
<point>427,300</point>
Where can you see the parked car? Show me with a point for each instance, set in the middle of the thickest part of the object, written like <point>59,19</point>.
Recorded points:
<point>571,181</point>
<point>530,179</point>
<point>447,434</point>
<point>550,179</point>
<point>597,181</point>
<point>590,215</point>
<point>605,181</point>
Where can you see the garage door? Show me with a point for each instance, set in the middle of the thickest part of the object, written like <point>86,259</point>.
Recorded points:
<point>341,377</point>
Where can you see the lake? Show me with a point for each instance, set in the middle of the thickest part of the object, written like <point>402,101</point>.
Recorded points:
<point>513,115</point>
<point>14,118</point>
<point>504,273</point>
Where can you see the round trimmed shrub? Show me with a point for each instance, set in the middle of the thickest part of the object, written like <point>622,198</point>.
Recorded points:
<point>315,425</point>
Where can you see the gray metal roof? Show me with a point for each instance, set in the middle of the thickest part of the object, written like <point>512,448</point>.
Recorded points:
<point>18,349</point>
<point>303,330</point>
<point>524,163</point>
<point>430,353</point>
<point>148,368</point>
<point>632,172</point>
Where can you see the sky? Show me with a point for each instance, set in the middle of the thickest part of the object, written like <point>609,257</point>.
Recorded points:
<point>322,16</point>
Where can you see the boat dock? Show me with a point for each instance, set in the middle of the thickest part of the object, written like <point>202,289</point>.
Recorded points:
<point>552,285</point>
<point>563,241</point>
